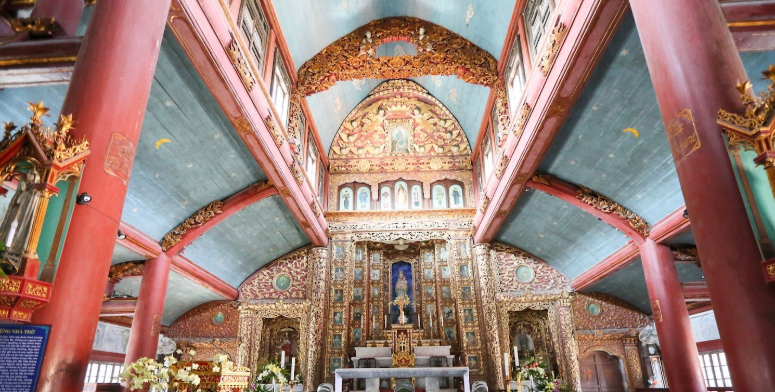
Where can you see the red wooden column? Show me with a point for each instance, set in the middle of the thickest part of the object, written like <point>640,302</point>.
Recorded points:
<point>146,324</point>
<point>66,13</point>
<point>107,98</point>
<point>694,66</point>
<point>676,340</point>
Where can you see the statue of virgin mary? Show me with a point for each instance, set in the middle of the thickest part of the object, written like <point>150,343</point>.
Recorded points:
<point>401,285</point>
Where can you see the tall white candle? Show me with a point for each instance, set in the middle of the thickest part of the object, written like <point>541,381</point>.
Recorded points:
<point>385,321</point>
<point>282,359</point>
<point>516,356</point>
<point>293,367</point>
<point>506,363</point>
<point>419,321</point>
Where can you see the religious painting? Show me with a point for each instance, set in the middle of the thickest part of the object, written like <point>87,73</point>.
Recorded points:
<point>402,196</point>
<point>429,291</point>
<point>346,199</point>
<point>525,274</point>
<point>428,274</point>
<point>339,252</point>
<point>462,249</point>
<point>430,309</point>
<point>427,257</point>
<point>336,363</point>
<point>473,362</point>
<point>375,258</point>
<point>337,341</point>
<point>416,197</point>
<point>402,293</point>
<point>375,274</point>
<point>443,254</point>
<point>439,195</point>
<point>357,314</point>
<point>357,334</point>
<point>338,318</point>
<point>384,198</point>
<point>455,196</point>
<point>449,333</point>
<point>282,282</point>
<point>466,293</point>
<point>364,198</point>
<point>358,273</point>
<point>446,293</point>
<point>449,314</point>
<point>400,131</point>
<point>338,273</point>
<point>465,272</point>
<point>375,291</point>
<point>338,295</point>
<point>593,309</point>
<point>445,272</point>
<point>357,294</point>
<point>471,339</point>
<point>468,316</point>
<point>358,254</point>
<point>219,318</point>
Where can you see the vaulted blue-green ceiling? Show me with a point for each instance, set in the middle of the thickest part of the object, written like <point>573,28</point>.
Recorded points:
<point>465,101</point>
<point>247,241</point>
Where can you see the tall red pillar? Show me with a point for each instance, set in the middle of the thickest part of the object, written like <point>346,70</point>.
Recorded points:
<point>694,66</point>
<point>107,97</point>
<point>676,340</point>
<point>146,324</point>
<point>66,13</point>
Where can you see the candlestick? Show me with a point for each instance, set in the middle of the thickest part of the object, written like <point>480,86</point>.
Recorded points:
<point>293,368</point>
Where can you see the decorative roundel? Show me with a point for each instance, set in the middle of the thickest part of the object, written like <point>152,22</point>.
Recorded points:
<point>593,309</point>
<point>282,282</point>
<point>219,318</point>
<point>525,274</point>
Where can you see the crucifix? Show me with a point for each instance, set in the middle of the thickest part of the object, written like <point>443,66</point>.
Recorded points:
<point>401,302</point>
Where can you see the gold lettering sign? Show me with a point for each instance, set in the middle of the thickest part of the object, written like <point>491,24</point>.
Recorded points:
<point>656,310</point>
<point>682,135</point>
<point>121,153</point>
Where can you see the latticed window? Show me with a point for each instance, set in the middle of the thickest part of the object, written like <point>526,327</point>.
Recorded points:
<point>103,372</point>
<point>537,14</point>
<point>487,156</point>
<point>280,89</point>
<point>256,30</point>
<point>515,76</point>
<point>715,369</point>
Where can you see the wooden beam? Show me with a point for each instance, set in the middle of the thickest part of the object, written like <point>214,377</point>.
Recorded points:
<point>118,307</point>
<point>695,291</point>
<point>38,62</point>
<point>590,27</point>
<point>235,203</point>
<point>752,24</point>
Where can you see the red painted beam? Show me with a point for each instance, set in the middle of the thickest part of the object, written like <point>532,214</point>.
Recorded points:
<point>38,62</point>
<point>695,291</point>
<point>235,203</point>
<point>119,307</point>
<point>673,225</point>
<point>591,24</point>
<point>205,29</point>
<point>143,244</point>
<point>566,192</point>
<point>752,24</point>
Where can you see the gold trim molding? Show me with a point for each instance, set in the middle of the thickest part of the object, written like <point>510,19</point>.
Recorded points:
<point>603,203</point>
<point>553,45</point>
<point>197,219</point>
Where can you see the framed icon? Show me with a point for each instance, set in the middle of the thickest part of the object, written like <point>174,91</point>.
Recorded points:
<point>282,282</point>
<point>358,274</point>
<point>357,294</point>
<point>428,273</point>
<point>337,341</point>
<point>465,271</point>
<point>338,295</point>
<point>338,318</point>
<point>525,274</point>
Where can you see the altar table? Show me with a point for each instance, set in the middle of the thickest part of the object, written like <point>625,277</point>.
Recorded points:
<point>374,374</point>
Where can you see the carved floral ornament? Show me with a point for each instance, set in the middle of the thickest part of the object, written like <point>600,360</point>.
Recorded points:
<point>197,219</point>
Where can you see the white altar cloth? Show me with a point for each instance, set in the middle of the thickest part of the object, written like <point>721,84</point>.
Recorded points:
<point>409,372</point>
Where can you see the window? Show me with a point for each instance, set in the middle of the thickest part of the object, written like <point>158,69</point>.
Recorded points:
<point>312,161</point>
<point>479,182</point>
<point>321,183</point>
<point>515,76</point>
<point>715,369</point>
<point>256,30</point>
<point>487,156</point>
<point>103,372</point>
<point>280,89</point>
<point>537,14</point>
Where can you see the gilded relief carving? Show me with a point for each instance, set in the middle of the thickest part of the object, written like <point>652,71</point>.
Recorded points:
<point>197,219</point>
<point>283,278</point>
<point>553,45</point>
<point>608,206</point>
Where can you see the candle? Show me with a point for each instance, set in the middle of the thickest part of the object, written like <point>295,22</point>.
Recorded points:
<point>385,321</point>
<point>506,363</point>
<point>293,367</point>
<point>419,321</point>
<point>273,385</point>
<point>552,374</point>
<point>516,356</point>
<point>282,359</point>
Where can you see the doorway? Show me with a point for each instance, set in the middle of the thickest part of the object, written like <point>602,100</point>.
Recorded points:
<point>601,372</point>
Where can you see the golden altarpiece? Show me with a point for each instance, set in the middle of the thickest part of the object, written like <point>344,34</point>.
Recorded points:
<point>401,270</point>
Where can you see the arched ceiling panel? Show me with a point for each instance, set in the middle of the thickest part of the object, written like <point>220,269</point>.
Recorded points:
<point>182,295</point>
<point>466,101</point>
<point>247,241</point>
<point>566,237</point>
<point>122,254</point>
<point>629,283</point>
<point>310,26</point>
<point>173,175</point>
<point>634,168</point>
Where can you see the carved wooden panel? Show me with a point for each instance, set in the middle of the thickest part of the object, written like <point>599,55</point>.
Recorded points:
<point>270,281</point>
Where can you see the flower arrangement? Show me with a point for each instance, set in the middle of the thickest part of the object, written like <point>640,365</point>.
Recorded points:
<point>271,372</point>
<point>531,370</point>
<point>161,376</point>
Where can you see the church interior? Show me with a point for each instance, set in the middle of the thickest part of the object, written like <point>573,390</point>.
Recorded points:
<point>387,196</point>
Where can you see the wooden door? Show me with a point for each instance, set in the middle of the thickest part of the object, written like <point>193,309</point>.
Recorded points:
<point>601,372</point>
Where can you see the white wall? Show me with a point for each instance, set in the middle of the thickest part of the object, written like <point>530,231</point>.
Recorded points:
<point>704,326</point>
